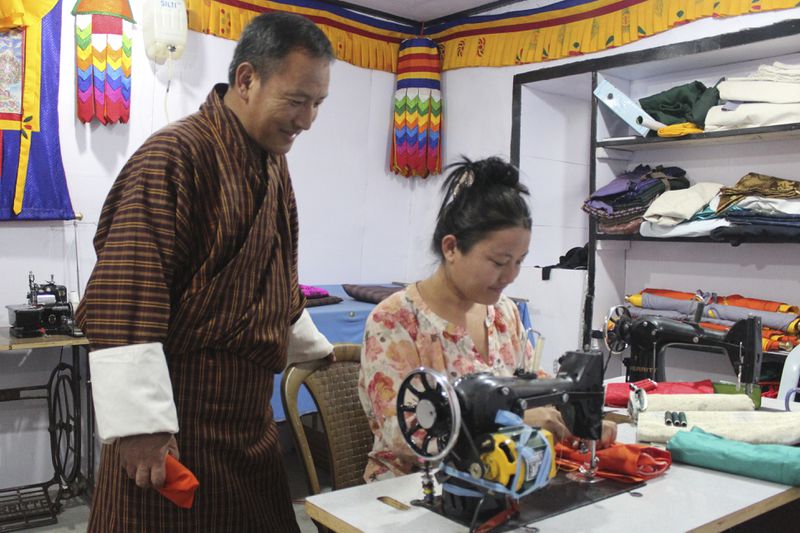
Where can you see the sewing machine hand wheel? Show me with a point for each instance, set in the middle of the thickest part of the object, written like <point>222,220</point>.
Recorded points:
<point>428,413</point>
<point>615,326</point>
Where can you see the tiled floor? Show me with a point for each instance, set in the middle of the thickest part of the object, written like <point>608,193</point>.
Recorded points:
<point>75,515</point>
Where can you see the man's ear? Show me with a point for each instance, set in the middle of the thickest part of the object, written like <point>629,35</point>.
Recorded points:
<point>245,74</point>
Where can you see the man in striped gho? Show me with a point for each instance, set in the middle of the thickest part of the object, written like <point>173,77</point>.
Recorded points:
<point>194,300</point>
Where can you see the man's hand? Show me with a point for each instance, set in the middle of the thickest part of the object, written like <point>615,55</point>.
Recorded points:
<point>143,457</point>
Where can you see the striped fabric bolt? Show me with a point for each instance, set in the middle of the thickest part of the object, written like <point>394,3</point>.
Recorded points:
<point>416,150</point>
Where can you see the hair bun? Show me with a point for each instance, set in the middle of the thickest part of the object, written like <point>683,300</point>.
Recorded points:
<point>496,170</point>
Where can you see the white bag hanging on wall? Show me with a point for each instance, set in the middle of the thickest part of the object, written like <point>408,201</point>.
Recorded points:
<point>164,28</point>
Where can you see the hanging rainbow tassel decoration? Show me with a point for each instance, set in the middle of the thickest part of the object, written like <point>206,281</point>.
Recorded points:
<point>103,42</point>
<point>416,148</point>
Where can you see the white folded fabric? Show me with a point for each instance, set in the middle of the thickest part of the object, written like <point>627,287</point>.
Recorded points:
<point>698,402</point>
<point>306,343</point>
<point>673,207</point>
<point>753,90</point>
<point>776,72</point>
<point>751,115</point>
<point>755,427</point>
<point>770,206</point>
<point>694,228</point>
<point>132,391</point>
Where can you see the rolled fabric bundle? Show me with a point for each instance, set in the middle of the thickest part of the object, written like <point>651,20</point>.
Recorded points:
<point>755,427</point>
<point>779,464</point>
<point>699,402</point>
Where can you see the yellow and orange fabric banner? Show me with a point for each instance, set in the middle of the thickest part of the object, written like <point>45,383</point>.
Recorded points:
<point>558,30</point>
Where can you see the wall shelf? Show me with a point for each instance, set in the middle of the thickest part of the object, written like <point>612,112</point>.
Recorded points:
<point>704,240</point>
<point>768,133</point>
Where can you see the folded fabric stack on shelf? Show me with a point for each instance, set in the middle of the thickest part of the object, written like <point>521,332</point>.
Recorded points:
<point>758,208</point>
<point>780,321</point>
<point>673,214</point>
<point>768,97</point>
<point>620,205</point>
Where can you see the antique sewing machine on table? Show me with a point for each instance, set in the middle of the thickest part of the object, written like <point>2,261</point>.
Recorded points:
<point>47,311</point>
<point>649,337</point>
<point>488,458</point>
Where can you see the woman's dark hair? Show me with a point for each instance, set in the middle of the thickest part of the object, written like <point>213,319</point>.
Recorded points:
<point>270,37</point>
<point>480,197</point>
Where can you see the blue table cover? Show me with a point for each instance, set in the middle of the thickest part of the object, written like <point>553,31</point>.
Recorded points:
<point>344,323</point>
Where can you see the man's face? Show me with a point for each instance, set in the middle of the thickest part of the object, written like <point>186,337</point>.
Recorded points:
<point>279,108</point>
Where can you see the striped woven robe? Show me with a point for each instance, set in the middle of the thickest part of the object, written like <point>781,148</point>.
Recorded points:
<point>197,249</point>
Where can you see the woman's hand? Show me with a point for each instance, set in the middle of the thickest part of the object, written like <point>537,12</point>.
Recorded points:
<point>609,435</point>
<point>547,418</point>
<point>550,419</point>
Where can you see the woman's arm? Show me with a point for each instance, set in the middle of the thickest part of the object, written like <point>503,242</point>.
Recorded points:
<point>388,355</point>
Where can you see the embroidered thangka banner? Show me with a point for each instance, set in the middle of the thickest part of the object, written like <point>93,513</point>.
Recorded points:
<point>561,29</point>
<point>32,183</point>
<point>417,110</point>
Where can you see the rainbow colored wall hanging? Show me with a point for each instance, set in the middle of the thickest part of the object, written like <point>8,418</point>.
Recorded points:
<point>103,60</point>
<point>32,181</point>
<point>417,110</point>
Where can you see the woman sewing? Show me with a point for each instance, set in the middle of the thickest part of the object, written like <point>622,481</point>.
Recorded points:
<point>457,321</point>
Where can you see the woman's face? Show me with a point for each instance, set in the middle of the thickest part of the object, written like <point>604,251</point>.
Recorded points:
<point>482,274</point>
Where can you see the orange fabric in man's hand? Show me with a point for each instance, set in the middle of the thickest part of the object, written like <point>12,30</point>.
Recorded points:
<point>180,484</point>
<point>629,463</point>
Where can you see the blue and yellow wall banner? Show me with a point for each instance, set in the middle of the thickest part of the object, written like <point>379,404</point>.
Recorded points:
<point>32,180</point>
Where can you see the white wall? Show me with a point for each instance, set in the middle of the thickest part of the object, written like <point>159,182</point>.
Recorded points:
<point>353,214</point>
<point>358,223</point>
<point>478,123</point>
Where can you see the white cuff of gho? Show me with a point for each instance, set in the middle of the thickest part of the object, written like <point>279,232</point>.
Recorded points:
<point>132,391</point>
<point>306,343</point>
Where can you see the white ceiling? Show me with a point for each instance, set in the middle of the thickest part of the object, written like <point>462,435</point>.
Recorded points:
<point>420,10</point>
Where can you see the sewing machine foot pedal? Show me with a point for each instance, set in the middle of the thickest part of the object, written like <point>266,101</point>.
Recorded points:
<point>25,507</point>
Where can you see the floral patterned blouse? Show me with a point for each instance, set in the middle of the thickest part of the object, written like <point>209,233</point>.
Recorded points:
<point>401,334</point>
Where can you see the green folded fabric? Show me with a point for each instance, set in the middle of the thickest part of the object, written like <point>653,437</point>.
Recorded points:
<point>685,103</point>
<point>770,462</point>
<point>730,388</point>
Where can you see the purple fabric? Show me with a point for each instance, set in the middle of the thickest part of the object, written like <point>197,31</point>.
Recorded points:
<point>632,190</point>
<point>311,292</point>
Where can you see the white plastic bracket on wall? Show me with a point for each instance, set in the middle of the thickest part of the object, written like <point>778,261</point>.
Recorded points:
<point>625,108</point>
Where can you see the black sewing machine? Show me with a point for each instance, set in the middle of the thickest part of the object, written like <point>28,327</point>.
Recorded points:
<point>474,427</point>
<point>649,337</point>
<point>47,312</point>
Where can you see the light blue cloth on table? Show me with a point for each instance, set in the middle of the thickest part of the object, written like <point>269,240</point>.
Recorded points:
<point>340,323</point>
<point>770,462</point>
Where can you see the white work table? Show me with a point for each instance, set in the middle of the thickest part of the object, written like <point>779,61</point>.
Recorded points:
<point>685,498</point>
